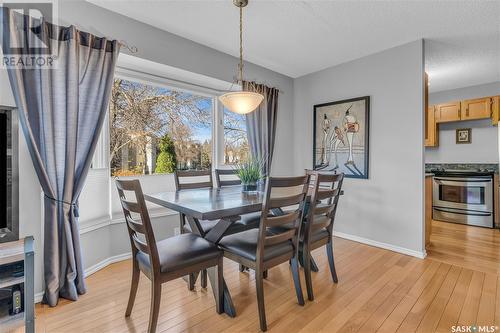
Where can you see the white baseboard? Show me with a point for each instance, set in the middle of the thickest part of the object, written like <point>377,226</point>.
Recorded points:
<point>106,262</point>
<point>94,268</point>
<point>386,246</point>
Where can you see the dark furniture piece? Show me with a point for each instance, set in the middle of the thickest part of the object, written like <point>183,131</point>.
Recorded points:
<point>223,177</point>
<point>9,175</point>
<point>167,259</point>
<point>260,249</point>
<point>317,229</point>
<point>17,271</point>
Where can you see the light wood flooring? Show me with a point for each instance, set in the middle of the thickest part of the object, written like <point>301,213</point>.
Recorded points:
<point>378,291</point>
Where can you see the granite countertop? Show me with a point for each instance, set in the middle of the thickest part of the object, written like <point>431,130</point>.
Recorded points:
<point>461,166</point>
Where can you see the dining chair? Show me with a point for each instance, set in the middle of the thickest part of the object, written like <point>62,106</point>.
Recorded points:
<point>317,229</point>
<point>260,249</point>
<point>228,177</point>
<point>164,260</point>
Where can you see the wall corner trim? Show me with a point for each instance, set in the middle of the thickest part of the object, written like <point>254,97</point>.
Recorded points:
<point>394,248</point>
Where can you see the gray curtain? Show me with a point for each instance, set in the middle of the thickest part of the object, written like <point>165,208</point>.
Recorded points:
<point>61,111</point>
<point>261,124</point>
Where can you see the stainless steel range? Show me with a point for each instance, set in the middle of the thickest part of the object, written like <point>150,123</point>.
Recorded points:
<point>463,196</point>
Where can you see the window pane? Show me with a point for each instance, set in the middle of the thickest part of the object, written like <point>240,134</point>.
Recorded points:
<point>236,148</point>
<point>158,130</point>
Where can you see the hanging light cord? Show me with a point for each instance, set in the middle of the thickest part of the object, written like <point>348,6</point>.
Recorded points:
<point>241,47</point>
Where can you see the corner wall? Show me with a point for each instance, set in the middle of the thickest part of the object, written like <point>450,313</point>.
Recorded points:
<point>387,209</point>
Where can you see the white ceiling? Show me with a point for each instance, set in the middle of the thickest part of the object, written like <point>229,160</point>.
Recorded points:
<point>300,37</point>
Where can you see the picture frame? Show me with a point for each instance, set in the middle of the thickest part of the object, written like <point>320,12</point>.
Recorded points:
<point>463,136</point>
<point>341,132</point>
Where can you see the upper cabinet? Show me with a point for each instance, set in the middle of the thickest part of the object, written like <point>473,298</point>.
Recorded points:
<point>495,110</point>
<point>447,112</point>
<point>479,108</point>
<point>431,128</point>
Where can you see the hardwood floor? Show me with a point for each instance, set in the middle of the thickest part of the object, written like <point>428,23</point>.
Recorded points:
<point>378,291</point>
<point>475,248</point>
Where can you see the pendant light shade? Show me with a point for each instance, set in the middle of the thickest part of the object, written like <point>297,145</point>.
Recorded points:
<point>241,102</point>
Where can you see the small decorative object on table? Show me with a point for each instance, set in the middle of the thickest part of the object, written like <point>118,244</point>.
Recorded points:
<point>464,135</point>
<point>249,173</point>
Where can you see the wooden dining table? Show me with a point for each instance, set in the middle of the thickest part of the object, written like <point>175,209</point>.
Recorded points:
<point>224,204</point>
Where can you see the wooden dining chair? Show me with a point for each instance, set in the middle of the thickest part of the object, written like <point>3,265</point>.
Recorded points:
<point>226,177</point>
<point>317,229</point>
<point>167,259</point>
<point>260,249</point>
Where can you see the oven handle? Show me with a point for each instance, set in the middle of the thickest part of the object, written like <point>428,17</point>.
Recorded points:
<point>462,213</point>
<point>463,182</point>
<point>468,180</point>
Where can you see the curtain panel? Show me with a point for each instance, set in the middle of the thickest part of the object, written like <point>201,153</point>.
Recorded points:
<point>61,111</point>
<point>261,125</point>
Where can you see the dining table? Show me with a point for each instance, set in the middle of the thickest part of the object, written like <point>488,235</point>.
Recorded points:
<point>225,204</point>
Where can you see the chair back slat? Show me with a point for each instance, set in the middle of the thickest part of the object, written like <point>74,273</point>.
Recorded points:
<point>134,225</point>
<point>222,181</point>
<point>193,179</point>
<point>326,190</point>
<point>281,220</point>
<point>140,245</point>
<point>140,224</point>
<point>286,201</point>
<point>286,227</point>
<point>280,238</point>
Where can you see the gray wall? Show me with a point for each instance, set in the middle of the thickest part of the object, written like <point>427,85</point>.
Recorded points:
<point>162,47</point>
<point>386,209</point>
<point>484,146</point>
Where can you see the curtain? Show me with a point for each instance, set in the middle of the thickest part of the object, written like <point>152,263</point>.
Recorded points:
<point>61,111</point>
<point>261,124</point>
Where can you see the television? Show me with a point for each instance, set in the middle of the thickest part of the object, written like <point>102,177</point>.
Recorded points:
<point>9,223</point>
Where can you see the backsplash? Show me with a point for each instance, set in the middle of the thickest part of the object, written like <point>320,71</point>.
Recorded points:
<point>461,166</point>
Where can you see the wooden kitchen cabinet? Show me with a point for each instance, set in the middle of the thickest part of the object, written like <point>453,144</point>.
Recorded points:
<point>479,108</point>
<point>495,110</point>
<point>431,128</point>
<point>448,112</point>
<point>428,210</point>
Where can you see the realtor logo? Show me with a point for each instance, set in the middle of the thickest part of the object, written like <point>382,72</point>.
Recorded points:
<point>21,34</point>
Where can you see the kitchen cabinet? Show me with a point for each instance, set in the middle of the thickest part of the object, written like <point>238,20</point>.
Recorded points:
<point>428,209</point>
<point>448,112</point>
<point>495,110</point>
<point>479,108</point>
<point>431,128</point>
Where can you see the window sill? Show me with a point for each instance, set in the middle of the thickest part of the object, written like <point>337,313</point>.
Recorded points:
<point>92,225</point>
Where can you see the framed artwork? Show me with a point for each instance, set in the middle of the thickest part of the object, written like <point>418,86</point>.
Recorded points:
<point>341,137</point>
<point>464,135</point>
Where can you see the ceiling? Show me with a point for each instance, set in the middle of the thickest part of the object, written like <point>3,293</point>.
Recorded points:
<point>300,37</point>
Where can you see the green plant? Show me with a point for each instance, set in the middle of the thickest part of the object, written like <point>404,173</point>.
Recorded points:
<point>166,162</point>
<point>249,171</point>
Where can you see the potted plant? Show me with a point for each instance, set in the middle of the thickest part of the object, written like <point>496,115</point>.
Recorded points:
<point>249,173</point>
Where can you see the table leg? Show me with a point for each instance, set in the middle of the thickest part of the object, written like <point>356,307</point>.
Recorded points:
<point>229,308</point>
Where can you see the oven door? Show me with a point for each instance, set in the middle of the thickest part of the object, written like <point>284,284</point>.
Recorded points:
<point>471,193</point>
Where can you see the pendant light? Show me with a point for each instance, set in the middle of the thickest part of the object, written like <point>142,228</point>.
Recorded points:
<point>241,102</point>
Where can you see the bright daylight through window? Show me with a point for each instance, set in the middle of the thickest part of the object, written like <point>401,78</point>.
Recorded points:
<point>155,130</point>
<point>158,130</point>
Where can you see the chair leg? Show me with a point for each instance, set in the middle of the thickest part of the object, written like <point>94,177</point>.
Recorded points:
<point>155,306</point>
<point>260,299</point>
<point>314,267</point>
<point>296,280</point>
<point>219,286</point>
<point>307,272</point>
<point>191,281</point>
<point>133,288</point>
<point>203,279</point>
<point>329,252</point>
